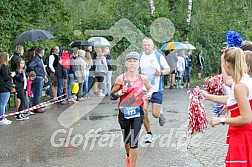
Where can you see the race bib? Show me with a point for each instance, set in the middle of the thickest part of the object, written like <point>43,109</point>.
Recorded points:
<point>131,112</point>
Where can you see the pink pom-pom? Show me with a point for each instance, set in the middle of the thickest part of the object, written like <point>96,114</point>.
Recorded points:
<point>196,112</point>
<point>214,85</point>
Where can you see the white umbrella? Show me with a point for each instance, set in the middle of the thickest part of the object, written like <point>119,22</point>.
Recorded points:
<point>189,46</point>
<point>99,41</point>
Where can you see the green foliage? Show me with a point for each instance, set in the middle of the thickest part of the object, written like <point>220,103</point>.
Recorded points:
<point>62,17</point>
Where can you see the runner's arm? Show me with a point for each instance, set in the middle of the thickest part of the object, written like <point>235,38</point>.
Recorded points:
<point>147,85</point>
<point>115,94</point>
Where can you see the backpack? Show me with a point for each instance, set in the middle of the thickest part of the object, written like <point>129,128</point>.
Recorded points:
<point>158,55</point>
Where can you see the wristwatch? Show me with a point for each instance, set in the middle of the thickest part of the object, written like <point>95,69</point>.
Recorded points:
<point>223,120</point>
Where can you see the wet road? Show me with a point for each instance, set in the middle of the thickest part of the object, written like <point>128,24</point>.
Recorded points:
<point>70,136</point>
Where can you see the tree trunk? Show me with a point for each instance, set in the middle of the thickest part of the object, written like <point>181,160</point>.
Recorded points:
<point>152,6</point>
<point>190,3</point>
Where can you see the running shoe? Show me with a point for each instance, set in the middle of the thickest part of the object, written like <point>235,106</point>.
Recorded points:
<point>127,161</point>
<point>149,138</point>
<point>162,119</point>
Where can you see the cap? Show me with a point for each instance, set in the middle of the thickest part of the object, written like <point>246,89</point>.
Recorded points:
<point>132,55</point>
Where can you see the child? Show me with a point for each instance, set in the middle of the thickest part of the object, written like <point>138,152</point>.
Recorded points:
<point>20,85</point>
<point>31,77</point>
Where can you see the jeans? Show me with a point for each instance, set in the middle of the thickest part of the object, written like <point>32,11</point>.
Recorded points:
<point>187,74</point>
<point>60,86</point>
<point>166,80</point>
<point>4,98</point>
<point>70,85</point>
<point>37,86</point>
<point>85,85</point>
<point>90,82</point>
<point>79,95</point>
<point>107,82</point>
<point>50,85</point>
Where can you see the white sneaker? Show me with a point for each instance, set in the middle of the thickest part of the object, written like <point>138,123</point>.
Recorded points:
<point>31,113</point>
<point>5,121</point>
<point>100,94</point>
<point>149,138</point>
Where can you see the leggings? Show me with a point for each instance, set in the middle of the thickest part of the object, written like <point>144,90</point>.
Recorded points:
<point>131,128</point>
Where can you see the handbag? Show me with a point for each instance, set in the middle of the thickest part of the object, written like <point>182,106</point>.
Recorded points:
<point>75,88</point>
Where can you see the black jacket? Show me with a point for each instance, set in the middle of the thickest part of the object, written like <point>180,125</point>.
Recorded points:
<point>19,81</point>
<point>14,61</point>
<point>5,79</point>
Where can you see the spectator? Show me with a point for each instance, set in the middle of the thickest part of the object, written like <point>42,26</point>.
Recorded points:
<point>180,70</point>
<point>80,72</point>
<point>172,60</point>
<point>101,70</point>
<point>71,77</point>
<point>5,86</point>
<point>108,76</point>
<point>62,73</point>
<point>37,65</point>
<point>188,69</point>
<point>20,86</point>
<point>200,64</point>
<point>89,64</point>
<point>29,56</point>
<point>51,68</point>
<point>19,51</point>
<point>31,77</point>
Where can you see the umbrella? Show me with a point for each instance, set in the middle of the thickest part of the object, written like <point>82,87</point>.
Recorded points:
<point>99,41</point>
<point>189,46</point>
<point>173,45</point>
<point>80,43</point>
<point>33,35</point>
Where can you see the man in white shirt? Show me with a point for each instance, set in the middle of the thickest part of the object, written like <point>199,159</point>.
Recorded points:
<point>52,64</point>
<point>153,65</point>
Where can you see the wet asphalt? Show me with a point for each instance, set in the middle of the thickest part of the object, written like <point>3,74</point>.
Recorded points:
<point>87,134</point>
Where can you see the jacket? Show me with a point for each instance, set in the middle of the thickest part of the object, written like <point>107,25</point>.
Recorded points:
<point>14,61</point>
<point>5,79</point>
<point>37,65</point>
<point>80,72</point>
<point>19,81</point>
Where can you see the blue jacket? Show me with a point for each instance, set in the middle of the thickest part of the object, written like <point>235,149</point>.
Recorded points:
<point>37,65</point>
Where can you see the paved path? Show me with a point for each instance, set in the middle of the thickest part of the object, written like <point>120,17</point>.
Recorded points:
<point>94,140</point>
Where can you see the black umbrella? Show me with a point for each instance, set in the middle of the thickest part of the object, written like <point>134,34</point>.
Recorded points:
<point>80,43</point>
<point>33,36</point>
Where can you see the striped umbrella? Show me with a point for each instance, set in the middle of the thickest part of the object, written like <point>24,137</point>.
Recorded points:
<point>173,45</point>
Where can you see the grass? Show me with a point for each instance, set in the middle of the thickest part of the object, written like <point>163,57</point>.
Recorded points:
<point>196,82</point>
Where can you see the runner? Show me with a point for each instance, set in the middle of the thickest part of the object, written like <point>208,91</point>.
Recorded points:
<point>153,65</point>
<point>129,87</point>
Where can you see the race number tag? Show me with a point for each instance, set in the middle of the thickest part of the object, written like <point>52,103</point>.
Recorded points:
<point>131,112</point>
